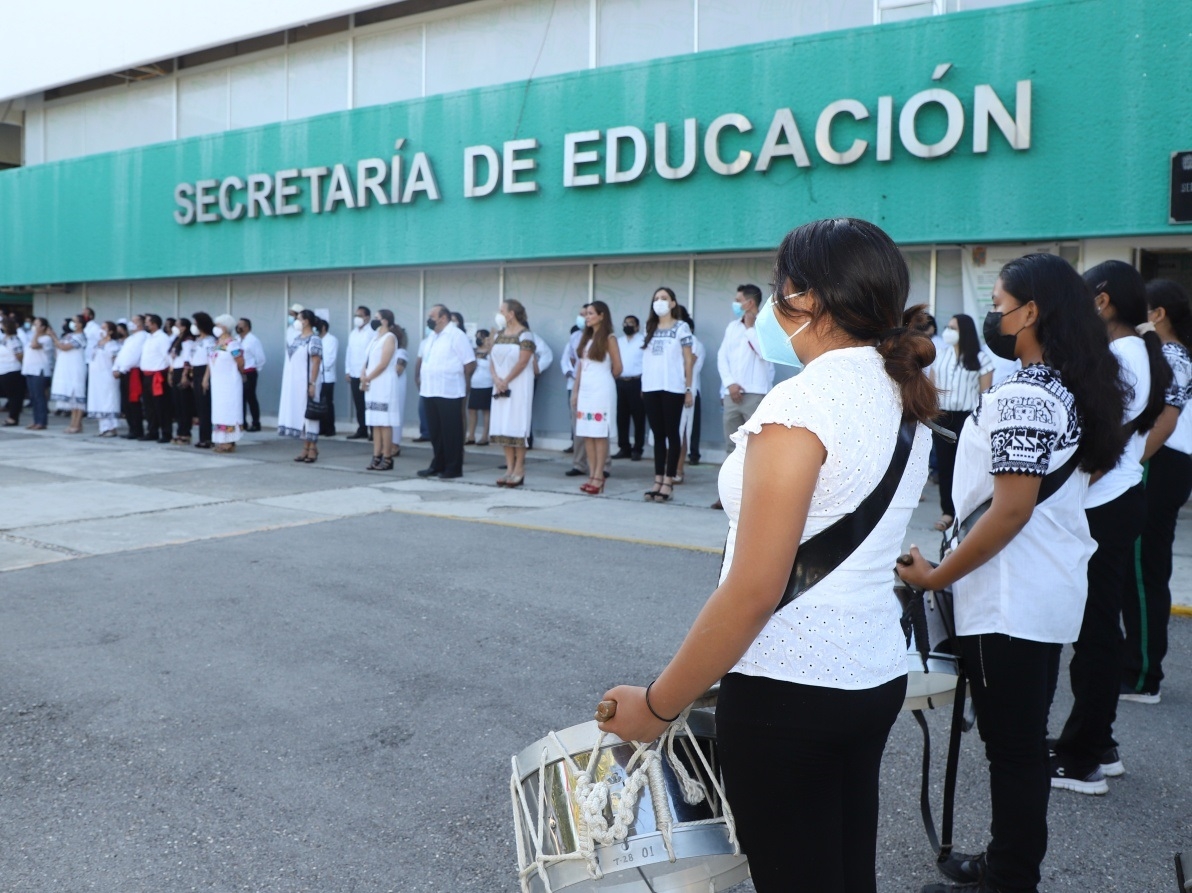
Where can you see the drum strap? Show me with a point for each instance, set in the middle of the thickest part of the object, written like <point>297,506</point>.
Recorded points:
<point>1052,481</point>
<point>942,843</point>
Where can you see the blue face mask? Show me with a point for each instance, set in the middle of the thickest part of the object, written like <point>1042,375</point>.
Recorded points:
<point>738,310</point>
<point>774,342</point>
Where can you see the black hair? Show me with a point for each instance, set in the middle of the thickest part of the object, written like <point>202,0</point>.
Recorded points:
<point>860,280</point>
<point>367,312</point>
<point>1127,294</point>
<point>153,318</point>
<point>1163,294</point>
<point>245,319</point>
<point>184,335</point>
<point>969,344</point>
<point>925,321</point>
<point>1076,344</point>
<point>481,334</point>
<point>681,313</point>
<point>204,321</point>
<point>752,292</point>
<point>652,320</point>
<point>634,318</point>
<point>388,316</point>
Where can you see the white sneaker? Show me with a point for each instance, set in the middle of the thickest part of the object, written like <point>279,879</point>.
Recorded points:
<point>1111,763</point>
<point>1093,783</point>
<point>1140,697</point>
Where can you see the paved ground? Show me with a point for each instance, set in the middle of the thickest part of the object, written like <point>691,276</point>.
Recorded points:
<point>242,674</point>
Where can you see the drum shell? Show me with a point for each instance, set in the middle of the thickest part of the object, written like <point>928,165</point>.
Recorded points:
<point>931,681</point>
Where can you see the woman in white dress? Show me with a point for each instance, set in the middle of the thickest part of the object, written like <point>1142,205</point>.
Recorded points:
<point>513,390</point>
<point>378,381</point>
<point>68,387</point>
<point>594,397</point>
<point>300,382</point>
<point>397,408</point>
<point>103,388</point>
<point>223,381</point>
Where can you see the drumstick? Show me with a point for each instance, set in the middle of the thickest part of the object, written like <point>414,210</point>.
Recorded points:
<point>606,710</point>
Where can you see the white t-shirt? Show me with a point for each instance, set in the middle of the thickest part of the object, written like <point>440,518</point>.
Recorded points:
<point>1179,394</point>
<point>1035,587</point>
<point>444,356</point>
<point>845,631</point>
<point>662,360</point>
<point>960,387</point>
<point>330,357</point>
<point>12,352</point>
<point>1136,373</point>
<point>39,362</point>
<point>631,354</point>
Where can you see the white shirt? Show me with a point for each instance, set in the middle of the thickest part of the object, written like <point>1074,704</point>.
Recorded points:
<point>130,351</point>
<point>443,359</point>
<point>254,352</point>
<point>571,358</point>
<point>663,364</point>
<point>357,353</point>
<point>542,353</point>
<point>1136,373</point>
<point>482,375</point>
<point>330,356</point>
<point>199,349</point>
<point>845,632</point>
<point>39,362</point>
<point>740,362</point>
<point>1035,587</point>
<point>26,335</point>
<point>180,354</point>
<point>155,353</point>
<point>93,331</point>
<point>701,354</point>
<point>960,388</point>
<point>631,354</point>
<point>12,351</point>
<point>1178,395</point>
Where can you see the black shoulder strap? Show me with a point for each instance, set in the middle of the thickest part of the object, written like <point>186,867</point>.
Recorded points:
<point>827,550</point>
<point>1052,481</point>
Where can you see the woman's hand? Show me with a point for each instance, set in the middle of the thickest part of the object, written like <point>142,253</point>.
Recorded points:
<point>574,401</point>
<point>633,720</point>
<point>310,390</point>
<point>919,573</point>
<point>689,399</point>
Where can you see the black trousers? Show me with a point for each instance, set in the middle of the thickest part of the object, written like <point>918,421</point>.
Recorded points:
<point>801,766</point>
<point>12,386</point>
<point>444,417</point>
<point>665,411</point>
<point>693,442</point>
<point>358,405</point>
<point>131,408</point>
<point>156,407</point>
<point>202,406</point>
<point>327,423</point>
<point>1147,606</point>
<point>252,408</point>
<point>630,408</point>
<point>945,456</point>
<point>184,404</point>
<point>1011,681</point>
<point>1096,668</point>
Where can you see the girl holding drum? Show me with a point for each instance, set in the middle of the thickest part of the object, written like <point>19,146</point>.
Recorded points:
<point>809,692</point>
<point>1019,575</point>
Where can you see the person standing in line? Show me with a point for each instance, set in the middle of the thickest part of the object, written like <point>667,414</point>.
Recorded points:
<point>68,387</point>
<point>224,382</point>
<point>397,412</point>
<point>180,385</point>
<point>355,356</point>
<point>155,365</point>
<point>510,362</point>
<point>91,330</point>
<point>128,369</point>
<point>962,372</point>
<point>745,378</point>
<point>300,383</point>
<point>103,390</point>
<point>12,381</point>
<point>293,326</point>
<point>25,332</point>
<point>1116,511</point>
<point>1167,478</point>
<point>595,399</point>
<point>667,368</point>
<point>689,420</point>
<point>254,362</point>
<point>480,395</point>
<point>442,379</point>
<point>423,424</point>
<point>567,364</point>
<point>37,366</point>
<point>1018,576</point>
<point>543,357</point>
<point>629,392</point>
<point>203,329</point>
<point>378,383</point>
<point>327,389</point>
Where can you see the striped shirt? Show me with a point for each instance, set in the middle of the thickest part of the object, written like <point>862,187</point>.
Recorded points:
<point>960,388</point>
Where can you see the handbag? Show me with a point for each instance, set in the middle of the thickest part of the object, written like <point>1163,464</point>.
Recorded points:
<point>316,409</point>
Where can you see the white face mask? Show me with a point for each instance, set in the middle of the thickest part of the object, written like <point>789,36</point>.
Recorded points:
<point>661,307</point>
<point>298,324</point>
<point>176,331</point>
<point>194,330</point>
<point>74,326</point>
<point>218,331</point>
<point>951,336</point>
<point>358,322</point>
<point>499,320</point>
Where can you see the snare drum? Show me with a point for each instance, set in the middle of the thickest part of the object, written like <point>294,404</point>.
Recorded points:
<point>932,673</point>
<point>595,813</point>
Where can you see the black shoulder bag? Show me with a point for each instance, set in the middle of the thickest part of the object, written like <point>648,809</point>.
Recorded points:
<point>316,407</point>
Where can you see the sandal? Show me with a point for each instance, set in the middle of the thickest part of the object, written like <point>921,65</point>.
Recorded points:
<point>375,465</point>
<point>396,452</point>
<point>651,494</point>
<point>503,481</point>
<point>594,487</point>
<point>515,481</point>
<point>312,457</point>
<point>664,497</point>
<point>944,522</point>
<point>677,479</point>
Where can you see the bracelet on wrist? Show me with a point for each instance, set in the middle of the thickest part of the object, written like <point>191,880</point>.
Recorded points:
<point>650,706</point>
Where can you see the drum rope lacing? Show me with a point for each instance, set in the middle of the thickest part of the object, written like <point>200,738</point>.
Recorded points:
<point>644,770</point>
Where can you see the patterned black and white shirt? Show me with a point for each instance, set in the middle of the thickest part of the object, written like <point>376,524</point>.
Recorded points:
<point>1180,361</point>
<point>1034,416</point>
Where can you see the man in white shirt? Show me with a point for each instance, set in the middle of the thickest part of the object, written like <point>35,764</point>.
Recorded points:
<point>155,360</point>
<point>327,375</point>
<point>355,357</point>
<point>127,368</point>
<point>254,362</point>
<point>630,407</point>
<point>447,363</point>
<point>92,331</point>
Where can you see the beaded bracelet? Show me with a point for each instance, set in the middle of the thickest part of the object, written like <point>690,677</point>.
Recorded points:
<point>650,706</point>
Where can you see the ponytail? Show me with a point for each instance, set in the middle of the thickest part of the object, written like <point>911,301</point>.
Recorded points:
<point>908,352</point>
<point>1170,297</point>
<point>1161,377</point>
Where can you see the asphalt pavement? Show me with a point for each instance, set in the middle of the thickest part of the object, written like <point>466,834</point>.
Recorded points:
<point>328,701</point>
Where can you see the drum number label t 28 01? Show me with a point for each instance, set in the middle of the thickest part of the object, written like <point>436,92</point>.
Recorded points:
<point>647,853</point>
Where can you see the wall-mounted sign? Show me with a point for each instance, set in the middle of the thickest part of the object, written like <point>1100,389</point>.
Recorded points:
<point>1181,187</point>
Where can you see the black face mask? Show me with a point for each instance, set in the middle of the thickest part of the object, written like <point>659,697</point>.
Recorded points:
<point>375,324</point>
<point>1001,344</point>
<point>630,331</point>
<point>431,322</point>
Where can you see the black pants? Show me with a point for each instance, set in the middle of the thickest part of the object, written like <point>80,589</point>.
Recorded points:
<point>801,767</point>
<point>358,405</point>
<point>1096,668</point>
<point>327,423</point>
<point>444,417</point>
<point>693,442</point>
<point>184,404</point>
<point>1147,607</point>
<point>202,405</point>
<point>630,408</point>
<point>156,407</point>
<point>665,411</point>
<point>945,456</point>
<point>131,408</point>
<point>12,386</point>
<point>1011,681</point>
<point>252,408</point>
